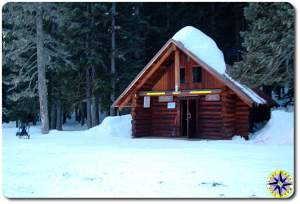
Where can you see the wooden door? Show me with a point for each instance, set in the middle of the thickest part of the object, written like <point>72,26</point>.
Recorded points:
<point>183,117</point>
<point>188,124</point>
<point>192,118</point>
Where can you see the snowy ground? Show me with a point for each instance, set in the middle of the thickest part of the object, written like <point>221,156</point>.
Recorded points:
<point>106,162</point>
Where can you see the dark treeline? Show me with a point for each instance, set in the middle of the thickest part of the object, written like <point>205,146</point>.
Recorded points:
<point>64,58</point>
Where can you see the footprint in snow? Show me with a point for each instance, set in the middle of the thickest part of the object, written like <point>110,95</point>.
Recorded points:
<point>92,179</point>
<point>66,175</point>
<point>214,184</point>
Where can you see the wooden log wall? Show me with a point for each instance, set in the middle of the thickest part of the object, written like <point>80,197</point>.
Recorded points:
<point>228,114</point>
<point>242,118</point>
<point>259,114</point>
<point>216,119</point>
<point>163,119</point>
<point>141,118</point>
<point>223,119</point>
<point>209,119</point>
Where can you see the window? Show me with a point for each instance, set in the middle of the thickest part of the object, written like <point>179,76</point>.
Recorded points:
<point>182,75</point>
<point>197,74</point>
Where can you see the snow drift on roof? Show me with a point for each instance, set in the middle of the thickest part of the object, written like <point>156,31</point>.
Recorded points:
<point>251,94</point>
<point>202,46</point>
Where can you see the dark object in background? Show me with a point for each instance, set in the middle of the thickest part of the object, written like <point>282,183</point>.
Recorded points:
<point>23,131</point>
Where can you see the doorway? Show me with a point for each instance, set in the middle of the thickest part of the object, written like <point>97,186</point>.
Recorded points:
<point>188,109</point>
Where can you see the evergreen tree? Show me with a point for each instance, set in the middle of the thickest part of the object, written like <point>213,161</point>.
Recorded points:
<point>269,42</point>
<point>32,50</point>
<point>132,28</point>
<point>88,37</point>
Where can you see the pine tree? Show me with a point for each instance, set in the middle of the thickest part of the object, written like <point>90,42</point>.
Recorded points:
<point>42,87</point>
<point>31,51</point>
<point>130,53</point>
<point>268,59</point>
<point>88,35</point>
<point>113,52</point>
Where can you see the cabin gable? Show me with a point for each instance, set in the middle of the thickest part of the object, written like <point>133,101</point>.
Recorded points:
<point>188,66</point>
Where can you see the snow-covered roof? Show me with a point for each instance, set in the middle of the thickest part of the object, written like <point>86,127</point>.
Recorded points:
<point>202,46</point>
<point>206,49</point>
<point>249,92</point>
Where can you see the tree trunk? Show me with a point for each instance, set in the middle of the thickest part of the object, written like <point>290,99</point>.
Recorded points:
<point>53,116</point>
<point>97,109</point>
<point>42,86</point>
<point>113,47</point>
<point>82,114</point>
<point>65,117</point>
<point>58,117</point>
<point>93,112</point>
<point>88,99</point>
<point>95,102</point>
<point>78,114</point>
<point>34,121</point>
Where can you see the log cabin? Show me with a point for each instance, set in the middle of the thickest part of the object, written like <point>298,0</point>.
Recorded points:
<point>184,91</point>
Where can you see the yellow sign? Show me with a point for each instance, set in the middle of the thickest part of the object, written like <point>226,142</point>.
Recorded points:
<point>155,93</point>
<point>200,92</point>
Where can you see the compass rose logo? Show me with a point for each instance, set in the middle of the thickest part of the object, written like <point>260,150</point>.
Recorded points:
<point>280,184</point>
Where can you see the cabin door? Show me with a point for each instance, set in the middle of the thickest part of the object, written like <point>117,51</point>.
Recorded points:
<point>188,108</point>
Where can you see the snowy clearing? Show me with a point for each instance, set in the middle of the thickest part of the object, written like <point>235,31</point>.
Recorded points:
<point>105,162</point>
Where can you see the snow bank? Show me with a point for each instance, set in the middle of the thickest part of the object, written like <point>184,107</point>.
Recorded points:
<point>247,91</point>
<point>279,130</point>
<point>113,126</point>
<point>202,46</point>
<point>238,138</point>
<point>11,124</point>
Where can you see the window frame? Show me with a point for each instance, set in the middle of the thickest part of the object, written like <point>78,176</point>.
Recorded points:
<point>184,70</point>
<point>194,76</point>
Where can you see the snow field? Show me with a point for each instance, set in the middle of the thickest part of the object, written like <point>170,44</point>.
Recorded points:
<point>105,162</point>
